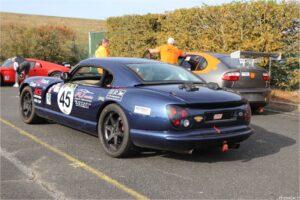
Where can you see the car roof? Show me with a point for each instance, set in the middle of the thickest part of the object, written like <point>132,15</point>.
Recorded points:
<point>123,76</point>
<point>115,61</point>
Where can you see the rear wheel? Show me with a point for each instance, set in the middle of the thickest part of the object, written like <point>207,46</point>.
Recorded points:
<point>27,109</point>
<point>55,74</point>
<point>113,132</point>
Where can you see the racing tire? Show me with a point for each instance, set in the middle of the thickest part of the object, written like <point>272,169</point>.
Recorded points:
<point>27,109</point>
<point>113,132</point>
<point>55,74</point>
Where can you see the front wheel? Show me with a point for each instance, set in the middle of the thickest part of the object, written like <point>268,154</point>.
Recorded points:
<point>27,108</point>
<point>113,131</point>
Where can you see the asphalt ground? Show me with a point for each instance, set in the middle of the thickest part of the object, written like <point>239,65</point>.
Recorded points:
<point>51,161</point>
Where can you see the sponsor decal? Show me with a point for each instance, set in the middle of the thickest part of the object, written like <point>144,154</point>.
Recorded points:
<point>6,78</point>
<point>218,116</point>
<point>83,98</point>
<point>32,84</point>
<point>48,98</point>
<point>37,100</point>
<point>142,110</point>
<point>42,82</point>
<point>188,58</point>
<point>101,98</point>
<point>65,98</point>
<point>116,94</point>
<point>57,87</point>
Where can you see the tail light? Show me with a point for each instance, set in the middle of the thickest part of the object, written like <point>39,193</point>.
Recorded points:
<point>231,76</point>
<point>266,76</point>
<point>247,114</point>
<point>179,117</point>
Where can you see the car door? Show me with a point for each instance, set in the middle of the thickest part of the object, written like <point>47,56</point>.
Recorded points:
<point>77,100</point>
<point>37,69</point>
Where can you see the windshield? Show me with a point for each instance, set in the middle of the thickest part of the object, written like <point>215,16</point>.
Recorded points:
<point>7,63</point>
<point>163,73</point>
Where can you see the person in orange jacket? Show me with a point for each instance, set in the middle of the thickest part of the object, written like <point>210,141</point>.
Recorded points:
<point>168,52</point>
<point>103,49</point>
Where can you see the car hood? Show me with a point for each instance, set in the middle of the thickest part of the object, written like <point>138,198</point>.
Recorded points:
<point>203,95</point>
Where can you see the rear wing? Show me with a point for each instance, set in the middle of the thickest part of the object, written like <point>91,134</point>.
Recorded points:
<point>250,57</point>
<point>255,55</point>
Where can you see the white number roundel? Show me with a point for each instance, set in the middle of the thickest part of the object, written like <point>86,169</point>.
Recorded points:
<point>65,98</point>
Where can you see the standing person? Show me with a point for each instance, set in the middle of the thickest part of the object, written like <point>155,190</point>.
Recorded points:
<point>168,52</point>
<point>17,61</point>
<point>103,49</point>
<point>24,67</point>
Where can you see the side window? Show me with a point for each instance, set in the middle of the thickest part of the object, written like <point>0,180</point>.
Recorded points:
<point>202,64</point>
<point>32,65</point>
<point>107,80</point>
<point>88,75</point>
<point>7,63</point>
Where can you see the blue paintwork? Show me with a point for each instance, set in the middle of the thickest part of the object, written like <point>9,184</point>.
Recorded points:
<point>154,130</point>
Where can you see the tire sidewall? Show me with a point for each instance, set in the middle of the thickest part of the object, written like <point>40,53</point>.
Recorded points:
<point>32,116</point>
<point>55,74</point>
<point>126,143</point>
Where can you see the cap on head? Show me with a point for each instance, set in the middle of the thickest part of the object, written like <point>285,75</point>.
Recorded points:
<point>171,41</point>
<point>105,40</point>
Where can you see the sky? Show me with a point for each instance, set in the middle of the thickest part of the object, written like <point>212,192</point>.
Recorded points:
<point>98,9</point>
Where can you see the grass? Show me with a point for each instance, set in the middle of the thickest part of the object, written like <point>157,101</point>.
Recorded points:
<point>80,26</point>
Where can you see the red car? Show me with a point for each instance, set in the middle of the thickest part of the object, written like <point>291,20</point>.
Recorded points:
<point>37,68</point>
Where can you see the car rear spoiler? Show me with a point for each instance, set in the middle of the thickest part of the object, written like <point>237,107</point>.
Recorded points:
<point>255,55</point>
<point>250,56</point>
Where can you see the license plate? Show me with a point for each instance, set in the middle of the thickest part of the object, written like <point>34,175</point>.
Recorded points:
<point>218,116</point>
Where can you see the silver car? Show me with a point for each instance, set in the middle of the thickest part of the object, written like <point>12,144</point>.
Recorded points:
<point>251,81</point>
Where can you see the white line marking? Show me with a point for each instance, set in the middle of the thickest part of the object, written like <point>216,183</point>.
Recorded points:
<point>53,192</point>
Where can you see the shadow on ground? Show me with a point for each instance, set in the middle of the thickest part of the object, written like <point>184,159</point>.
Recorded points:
<point>261,143</point>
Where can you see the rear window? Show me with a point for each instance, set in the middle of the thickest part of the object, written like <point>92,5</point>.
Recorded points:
<point>232,63</point>
<point>159,72</point>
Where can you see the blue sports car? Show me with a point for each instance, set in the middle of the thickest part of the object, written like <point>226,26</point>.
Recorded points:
<point>132,103</point>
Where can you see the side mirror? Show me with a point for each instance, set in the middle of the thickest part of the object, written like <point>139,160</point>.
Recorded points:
<point>65,76</point>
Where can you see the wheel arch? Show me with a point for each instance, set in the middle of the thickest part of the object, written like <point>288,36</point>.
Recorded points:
<point>22,87</point>
<point>103,106</point>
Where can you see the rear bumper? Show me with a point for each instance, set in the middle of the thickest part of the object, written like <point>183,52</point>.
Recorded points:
<point>256,95</point>
<point>182,141</point>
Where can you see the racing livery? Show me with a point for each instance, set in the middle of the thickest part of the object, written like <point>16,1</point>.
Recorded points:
<point>130,102</point>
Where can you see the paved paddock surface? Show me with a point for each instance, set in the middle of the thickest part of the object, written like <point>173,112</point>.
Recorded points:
<point>51,161</point>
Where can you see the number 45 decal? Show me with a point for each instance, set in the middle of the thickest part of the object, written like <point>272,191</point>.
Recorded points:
<point>65,98</point>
